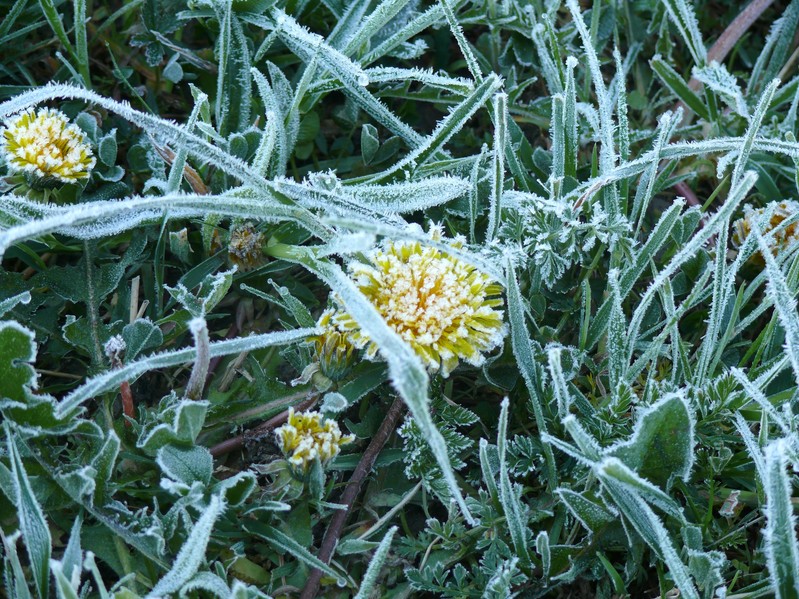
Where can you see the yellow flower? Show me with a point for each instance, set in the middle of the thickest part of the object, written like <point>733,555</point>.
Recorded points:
<point>333,348</point>
<point>44,144</point>
<point>781,239</point>
<point>306,437</point>
<point>445,308</point>
<point>245,248</point>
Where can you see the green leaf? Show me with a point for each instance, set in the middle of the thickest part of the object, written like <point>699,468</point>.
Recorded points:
<point>592,515</point>
<point>186,464</point>
<point>107,148</point>
<point>32,523</point>
<point>18,403</point>
<point>139,336</point>
<point>180,422</point>
<point>662,443</point>
<point>285,544</point>
<point>369,142</point>
<point>782,548</point>
<point>679,88</point>
<point>8,304</point>
<point>375,564</point>
<point>192,552</point>
<point>208,294</point>
<point>17,352</point>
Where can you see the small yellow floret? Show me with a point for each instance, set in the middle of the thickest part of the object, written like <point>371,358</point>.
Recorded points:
<point>445,308</point>
<point>333,348</point>
<point>306,437</point>
<point>45,145</point>
<point>781,239</point>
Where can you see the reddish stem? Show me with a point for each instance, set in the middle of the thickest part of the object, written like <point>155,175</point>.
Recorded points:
<point>128,408</point>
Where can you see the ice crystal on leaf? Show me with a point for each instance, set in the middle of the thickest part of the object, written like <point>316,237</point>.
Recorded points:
<point>45,145</point>
<point>306,436</point>
<point>557,236</point>
<point>445,308</point>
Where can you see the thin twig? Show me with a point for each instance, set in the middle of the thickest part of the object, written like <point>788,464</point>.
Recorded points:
<point>733,33</point>
<point>352,490</point>
<point>237,442</point>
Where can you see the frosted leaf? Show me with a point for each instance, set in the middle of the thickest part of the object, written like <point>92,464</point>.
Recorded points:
<point>110,379</point>
<point>716,77</point>
<point>192,552</point>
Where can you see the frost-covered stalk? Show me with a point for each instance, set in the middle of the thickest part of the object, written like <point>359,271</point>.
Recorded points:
<point>498,172</point>
<point>782,551</point>
<point>196,384</point>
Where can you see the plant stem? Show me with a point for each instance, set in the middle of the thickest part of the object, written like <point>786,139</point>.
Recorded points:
<point>92,307</point>
<point>196,384</point>
<point>352,490</point>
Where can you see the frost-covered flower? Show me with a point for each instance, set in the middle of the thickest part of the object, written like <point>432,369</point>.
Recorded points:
<point>245,248</point>
<point>306,436</point>
<point>333,348</point>
<point>781,238</point>
<point>444,307</point>
<point>45,145</point>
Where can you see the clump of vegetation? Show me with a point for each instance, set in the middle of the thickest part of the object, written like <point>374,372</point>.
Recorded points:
<point>394,298</point>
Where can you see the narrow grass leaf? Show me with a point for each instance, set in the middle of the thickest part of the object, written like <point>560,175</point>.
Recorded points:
<point>375,564</point>
<point>32,524</point>
<point>514,512</point>
<point>782,550</point>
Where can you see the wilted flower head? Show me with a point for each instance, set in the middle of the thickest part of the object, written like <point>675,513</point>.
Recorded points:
<point>44,144</point>
<point>333,348</point>
<point>780,239</point>
<point>305,437</point>
<point>245,248</point>
<point>445,308</point>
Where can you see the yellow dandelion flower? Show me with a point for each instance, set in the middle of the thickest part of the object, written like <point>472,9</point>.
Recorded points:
<point>45,145</point>
<point>305,437</point>
<point>245,248</point>
<point>781,239</point>
<point>333,348</point>
<point>445,308</point>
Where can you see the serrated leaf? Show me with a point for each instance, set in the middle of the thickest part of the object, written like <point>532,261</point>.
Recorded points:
<point>18,403</point>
